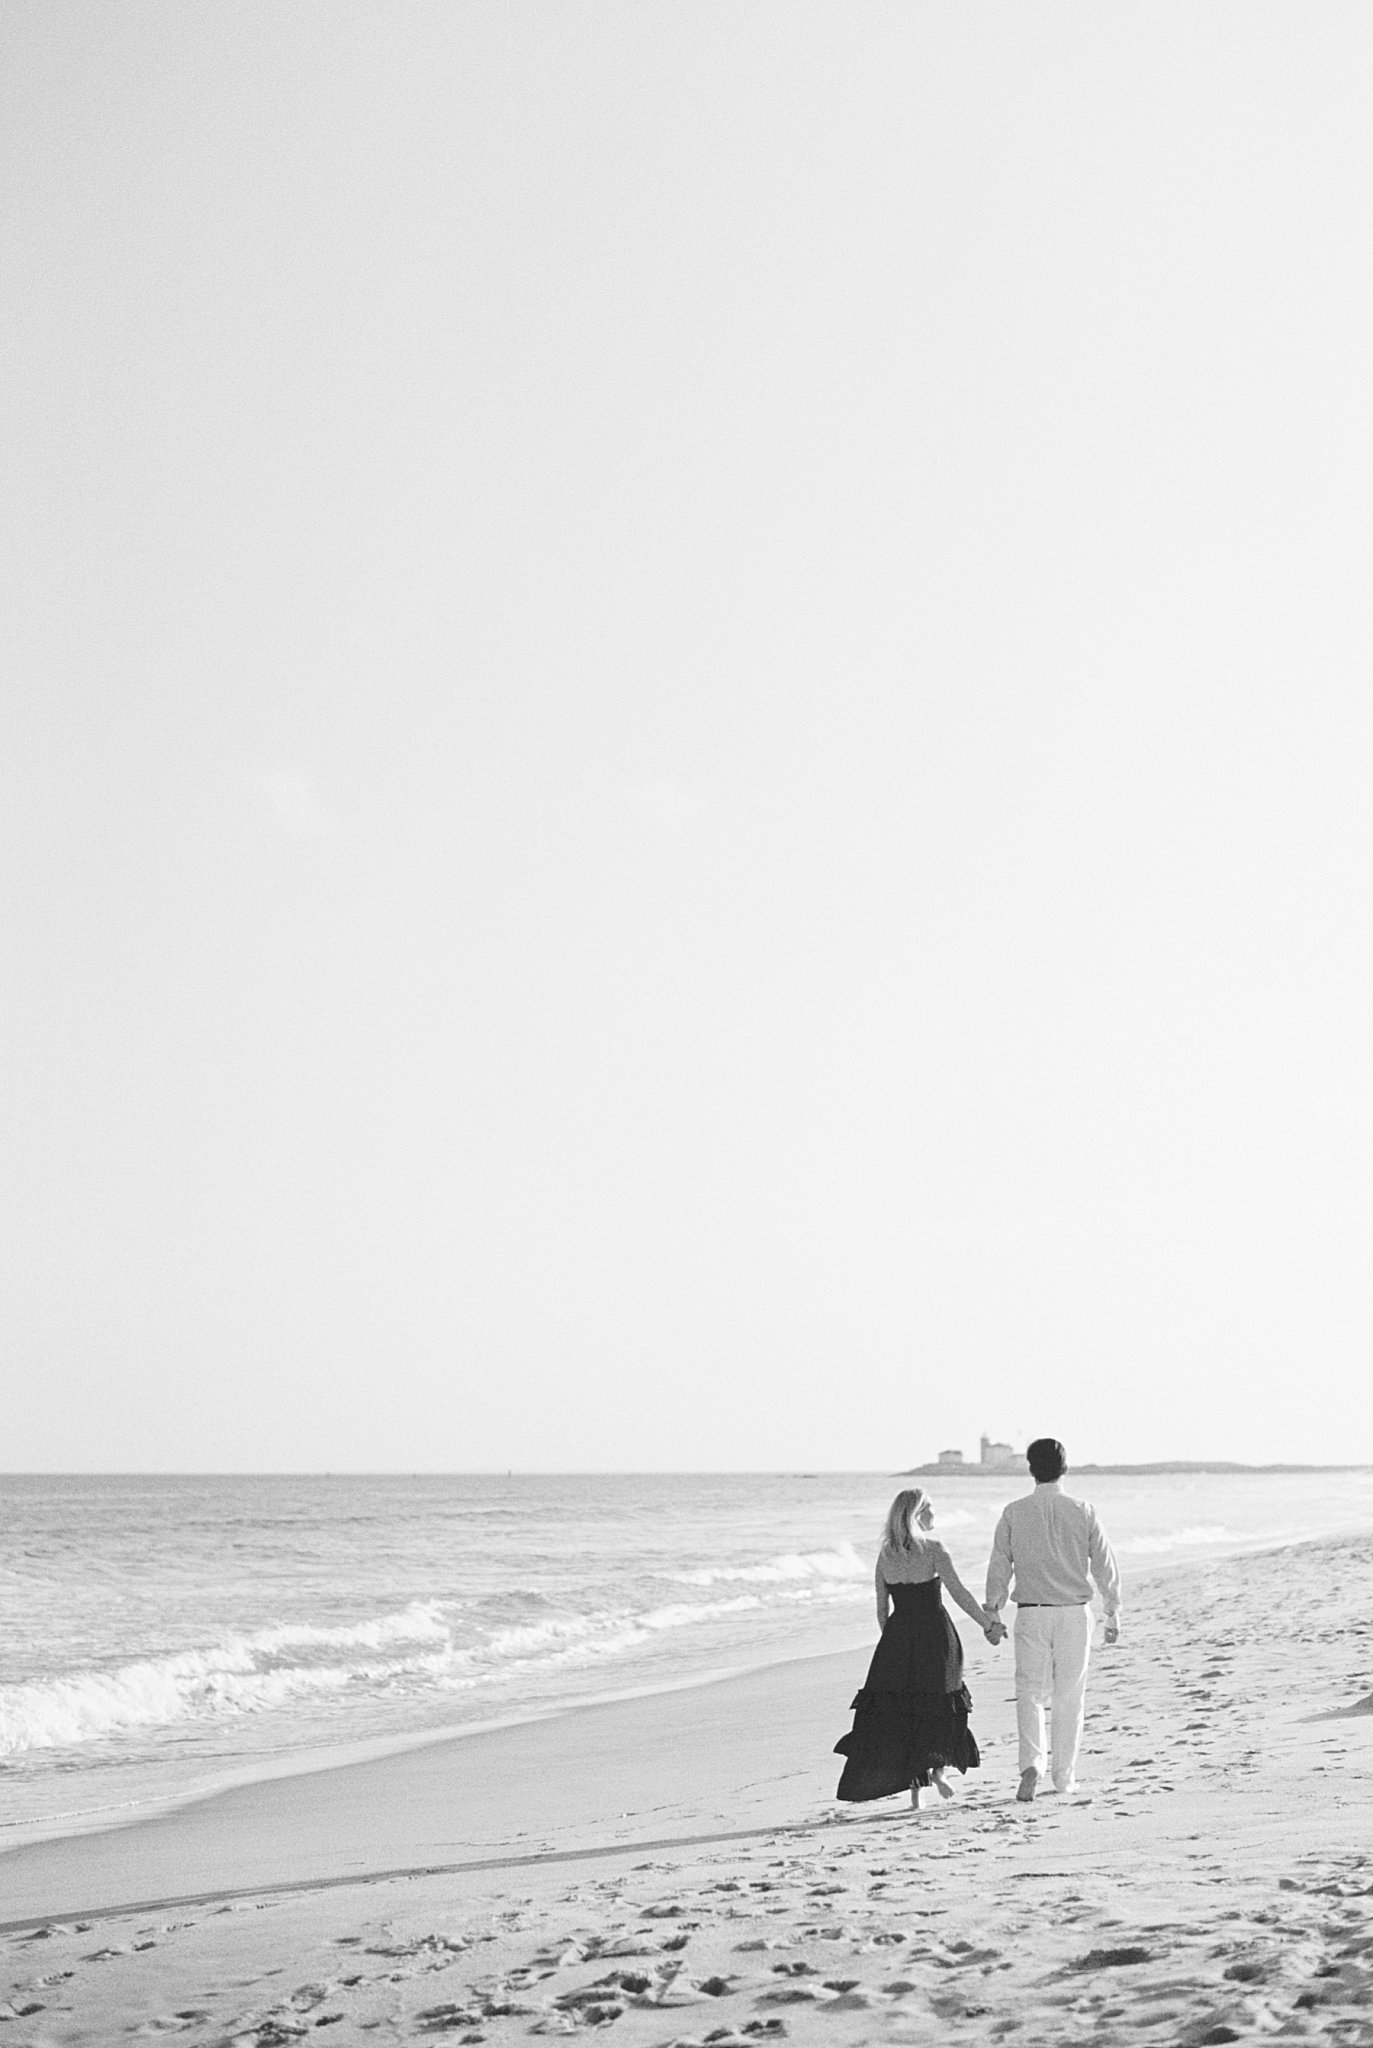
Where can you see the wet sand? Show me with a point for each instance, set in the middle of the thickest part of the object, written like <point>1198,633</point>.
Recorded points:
<point>674,1870</point>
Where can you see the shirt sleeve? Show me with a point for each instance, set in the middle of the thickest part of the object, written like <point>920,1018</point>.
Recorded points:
<point>1105,1570</point>
<point>999,1566</point>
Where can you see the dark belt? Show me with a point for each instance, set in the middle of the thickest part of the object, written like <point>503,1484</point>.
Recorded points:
<point>1051,1603</point>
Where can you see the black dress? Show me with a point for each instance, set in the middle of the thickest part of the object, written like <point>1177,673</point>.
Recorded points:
<point>912,1714</point>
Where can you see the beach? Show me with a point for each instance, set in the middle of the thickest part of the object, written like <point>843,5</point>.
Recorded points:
<point>673,1868</point>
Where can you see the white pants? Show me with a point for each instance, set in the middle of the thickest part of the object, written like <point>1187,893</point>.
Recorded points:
<point>1052,1647</point>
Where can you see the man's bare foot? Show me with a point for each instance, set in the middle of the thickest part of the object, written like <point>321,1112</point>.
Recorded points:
<point>1029,1785</point>
<point>942,1787</point>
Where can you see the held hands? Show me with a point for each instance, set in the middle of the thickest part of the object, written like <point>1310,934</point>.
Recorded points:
<point>993,1627</point>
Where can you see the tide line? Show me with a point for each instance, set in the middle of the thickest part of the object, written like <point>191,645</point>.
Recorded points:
<point>175,1902</point>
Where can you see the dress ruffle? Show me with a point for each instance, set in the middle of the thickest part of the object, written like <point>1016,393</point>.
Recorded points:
<point>911,1716</point>
<point>899,1738</point>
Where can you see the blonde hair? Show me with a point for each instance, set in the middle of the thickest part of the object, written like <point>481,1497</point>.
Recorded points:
<point>899,1533</point>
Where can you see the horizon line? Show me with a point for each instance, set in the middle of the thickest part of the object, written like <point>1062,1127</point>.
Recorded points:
<point>970,1468</point>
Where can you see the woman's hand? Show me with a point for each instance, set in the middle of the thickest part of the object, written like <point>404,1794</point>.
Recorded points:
<point>993,1627</point>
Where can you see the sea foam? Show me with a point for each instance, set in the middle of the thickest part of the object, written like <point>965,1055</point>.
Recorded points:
<point>240,1674</point>
<point>415,1648</point>
<point>1177,1539</point>
<point>163,1633</point>
<point>842,1562</point>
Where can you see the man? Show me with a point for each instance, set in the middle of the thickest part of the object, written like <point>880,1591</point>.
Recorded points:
<point>1049,1543</point>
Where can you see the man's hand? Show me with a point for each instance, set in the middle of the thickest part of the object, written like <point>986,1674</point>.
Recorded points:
<point>993,1627</point>
<point>1112,1634</point>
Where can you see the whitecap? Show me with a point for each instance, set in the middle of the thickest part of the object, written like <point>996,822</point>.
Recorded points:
<point>843,1562</point>
<point>238,1675</point>
<point>1178,1539</point>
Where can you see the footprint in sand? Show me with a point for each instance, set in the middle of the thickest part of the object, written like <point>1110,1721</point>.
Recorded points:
<point>446,2019</point>
<point>436,1949</point>
<point>732,2037</point>
<point>597,2004</point>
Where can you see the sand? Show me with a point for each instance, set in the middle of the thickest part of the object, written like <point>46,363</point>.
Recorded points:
<point>674,1869</point>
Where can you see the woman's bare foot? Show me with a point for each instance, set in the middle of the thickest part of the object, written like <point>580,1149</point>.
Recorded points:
<point>920,1798</point>
<point>942,1787</point>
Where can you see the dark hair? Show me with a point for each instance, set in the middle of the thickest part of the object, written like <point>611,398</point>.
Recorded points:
<point>1047,1459</point>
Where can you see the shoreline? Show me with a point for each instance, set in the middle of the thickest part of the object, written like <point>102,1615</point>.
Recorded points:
<point>694,1757</point>
<point>314,1761</point>
<point>677,1865</point>
<point>534,1859</point>
<point>319,1761</point>
<point>525,1748</point>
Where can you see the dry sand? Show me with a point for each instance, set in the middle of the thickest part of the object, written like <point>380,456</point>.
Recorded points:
<point>674,1870</point>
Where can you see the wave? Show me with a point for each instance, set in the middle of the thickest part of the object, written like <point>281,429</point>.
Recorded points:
<point>586,1638</point>
<point>271,1668</point>
<point>529,1638</point>
<point>242,1674</point>
<point>1178,1539</point>
<point>841,1563</point>
<point>421,1621</point>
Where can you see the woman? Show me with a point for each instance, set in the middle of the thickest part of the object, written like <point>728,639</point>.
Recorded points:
<point>911,1717</point>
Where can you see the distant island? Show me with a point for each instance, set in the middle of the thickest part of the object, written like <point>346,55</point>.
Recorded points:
<point>997,1461</point>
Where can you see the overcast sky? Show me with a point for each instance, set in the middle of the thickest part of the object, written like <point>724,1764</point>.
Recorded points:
<point>686,736</point>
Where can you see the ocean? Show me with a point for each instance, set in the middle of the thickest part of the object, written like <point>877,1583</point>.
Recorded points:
<point>165,1637</point>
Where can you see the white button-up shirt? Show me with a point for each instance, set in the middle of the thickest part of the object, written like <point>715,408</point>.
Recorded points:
<point>1049,1543</point>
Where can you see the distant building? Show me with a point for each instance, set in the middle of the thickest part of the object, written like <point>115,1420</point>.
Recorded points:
<point>992,1458</point>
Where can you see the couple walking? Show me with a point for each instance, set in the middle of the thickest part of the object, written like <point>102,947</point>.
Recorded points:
<point>911,1716</point>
